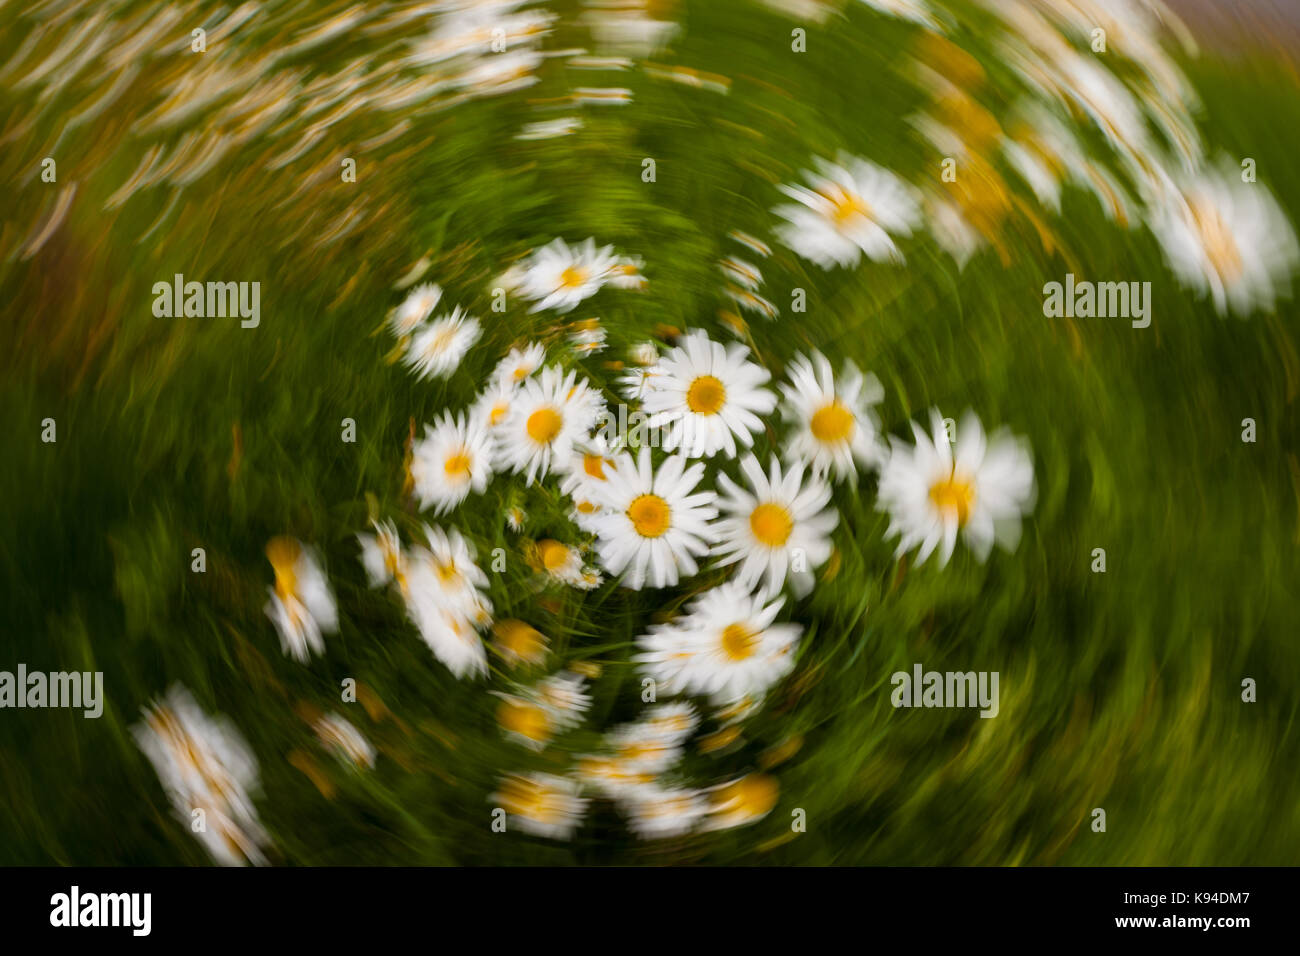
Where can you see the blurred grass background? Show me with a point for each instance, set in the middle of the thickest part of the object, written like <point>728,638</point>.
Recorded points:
<point>1120,691</point>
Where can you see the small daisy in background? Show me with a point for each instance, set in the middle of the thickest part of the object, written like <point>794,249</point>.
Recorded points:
<point>534,715</point>
<point>541,804</point>
<point>933,493</point>
<point>706,396</point>
<point>559,276</point>
<point>302,604</point>
<point>453,459</point>
<point>657,813</point>
<point>833,428</point>
<point>343,740</point>
<point>436,350</point>
<point>657,525</point>
<point>850,208</point>
<point>1228,238</point>
<point>587,337</point>
<point>519,643</point>
<point>381,554</point>
<point>205,764</point>
<point>548,415</point>
<point>444,594</point>
<point>415,308</point>
<point>777,528</point>
<point>519,365</point>
<point>567,565</point>
<point>726,646</point>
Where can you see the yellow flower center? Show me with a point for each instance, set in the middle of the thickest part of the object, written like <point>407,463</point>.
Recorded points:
<point>1217,238</point>
<point>554,555</point>
<point>457,465</point>
<point>738,641</point>
<point>526,720</point>
<point>594,466</point>
<point>498,412</point>
<point>544,424</point>
<point>750,796</point>
<point>283,554</point>
<point>520,639</point>
<point>706,395</point>
<point>832,423</point>
<point>771,524</point>
<point>572,277</point>
<point>650,515</point>
<point>846,205</point>
<point>953,494</point>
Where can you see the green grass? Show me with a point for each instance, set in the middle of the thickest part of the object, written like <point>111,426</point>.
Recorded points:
<point>1120,691</point>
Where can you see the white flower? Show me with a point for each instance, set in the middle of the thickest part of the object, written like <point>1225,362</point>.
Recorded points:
<point>726,646</point>
<point>914,10</point>
<point>851,208</point>
<point>436,350</point>
<point>780,527</point>
<point>1228,238</point>
<point>345,741</point>
<point>981,491</point>
<point>302,604</point>
<point>559,276</point>
<point>742,273</point>
<point>593,458</point>
<point>752,302</point>
<point>565,565</point>
<point>205,764</point>
<point>547,416</point>
<point>452,459</point>
<point>707,395</point>
<point>443,591</point>
<point>655,813</point>
<point>644,353</point>
<point>519,364</point>
<point>655,527</point>
<point>675,722</point>
<point>833,425</point>
<point>381,553</point>
<point>550,129</point>
<point>491,407</point>
<point>534,715</point>
<point>588,338</point>
<point>643,749</point>
<point>541,804</point>
<point>415,308</point>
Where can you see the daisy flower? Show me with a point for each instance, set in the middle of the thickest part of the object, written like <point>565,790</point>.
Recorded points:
<point>586,472</point>
<point>344,740</point>
<point>436,350</point>
<point>415,308</point>
<point>644,353</point>
<point>707,395</point>
<point>675,722</point>
<point>492,405</point>
<point>536,714</point>
<point>381,554</point>
<point>778,527</point>
<point>851,209</point>
<point>547,416</point>
<point>616,779</point>
<point>559,276</point>
<point>743,801</point>
<point>541,804</point>
<point>726,646</point>
<point>204,763</point>
<point>452,459</point>
<point>1228,238</point>
<point>626,273</point>
<point>588,337</point>
<point>519,643</point>
<point>519,364</point>
<point>643,748</point>
<point>655,813</point>
<point>302,604</point>
<point>656,526</point>
<point>565,565</point>
<point>833,426</point>
<point>932,493</point>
